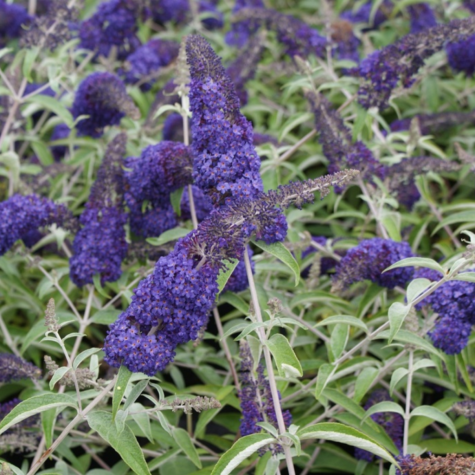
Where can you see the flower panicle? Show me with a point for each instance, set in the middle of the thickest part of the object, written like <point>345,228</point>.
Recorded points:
<point>84,377</point>
<point>381,70</point>
<point>51,320</point>
<point>15,368</point>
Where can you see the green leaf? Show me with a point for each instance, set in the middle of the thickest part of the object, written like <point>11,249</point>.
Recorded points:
<point>324,373</point>
<point>96,279</point>
<point>54,106</point>
<point>397,313</point>
<point>203,420</point>
<point>283,254</point>
<point>119,389</point>
<point>48,419</point>
<point>159,461</point>
<point>462,217</point>
<point>448,446</point>
<point>35,405</point>
<point>416,288</point>
<point>106,317</point>
<point>224,275</point>
<point>240,451</point>
<point>436,415</point>
<point>385,406</point>
<point>140,416</point>
<point>392,223</point>
<point>167,236</point>
<point>396,377</point>
<point>175,200</point>
<point>347,319</point>
<point>339,339</point>
<point>345,435</point>
<point>183,439</point>
<point>287,363</point>
<point>58,374</point>
<point>84,355</point>
<point>363,382</point>
<point>125,444</point>
<point>30,58</point>
<point>417,262</point>
<point>135,393</point>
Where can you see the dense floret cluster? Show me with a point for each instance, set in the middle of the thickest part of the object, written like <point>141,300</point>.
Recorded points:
<point>100,246</point>
<point>363,14</point>
<point>13,18</point>
<point>461,55</point>
<point>243,30</point>
<point>160,170</point>
<point>20,215</point>
<point>103,98</point>
<point>369,259</point>
<point>422,17</point>
<point>14,368</point>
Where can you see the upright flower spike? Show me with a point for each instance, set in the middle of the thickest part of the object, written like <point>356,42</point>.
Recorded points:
<point>369,259</point>
<point>297,37</point>
<point>393,423</point>
<point>255,396</point>
<point>226,165</point>
<point>422,17</point>
<point>337,143</point>
<point>102,96</point>
<point>100,246</point>
<point>160,170</point>
<point>381,71</point>
<point>112,27</point>
<point>172,305</point>
<point>401,176</point>
<point>147,60</point>
<point>20,215</point>
<point>14,368</point>
<point>12,19</point>
<point>243,30</point>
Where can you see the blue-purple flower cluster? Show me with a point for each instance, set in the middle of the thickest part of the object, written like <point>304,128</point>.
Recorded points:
<point>368,260</point>
<point>168,308</point>
<point>61,131</point>
<point>422,17</point>
<point>454,302</point>
<point>382,70</point>
<point>100,246</point>
<point>147,60</point>
<point>363,14</point>
<point>112,27</point>
<point>226,165</point>
<point>255,396</point>
<point>203,205</point>
<point>14,368</point>
<point>102,97</point>
<point>12,18</point>
<point>20,215</point>
<point>242,31</point>
<point>160,170</point>
<point>391,422</point>
<point>346,43</point>
<point>337,143</point>
<point>461,55</point>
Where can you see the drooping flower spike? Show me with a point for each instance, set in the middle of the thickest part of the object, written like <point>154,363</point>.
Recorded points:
<point>382,70</point>
<point>100,247</point>
<point>14,368</point>
<point>171,306</point>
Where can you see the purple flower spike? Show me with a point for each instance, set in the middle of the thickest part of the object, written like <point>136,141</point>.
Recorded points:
<point>12,19</point>
<point>422,17</point>
<point>160,170</point>
<point>102,96</point>
<point>14,368</point>
<point>368,260</point>
<point>20,215</point>
<point>461,55</point>
<point>100,246</point>
<point>363,14</point>
<point>226,164</point>
<point>112,27</point>
<point>243,30</point>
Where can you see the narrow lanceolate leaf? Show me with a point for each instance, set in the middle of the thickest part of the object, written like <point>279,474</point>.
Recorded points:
<point>54,106</point>
<point>225,274</point>
<point>240,451</point>
<point>324,373</point>
<point>339,339</point>
<point>125,443</point>
<point>282,253</point>
<point>418,262</point>
<point>396,377</point>
<point>167,236</point>
<point>416,287</point>
<point>119,389</point>
<point>385,406</point>
<point>348,319</point>
<point>397,313</point>
<point>185,443</point>
<point>436,415</point>
<point>287,363</point>
<point>345,435</point>
<point>35,405</point>
<point>363,382</point>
